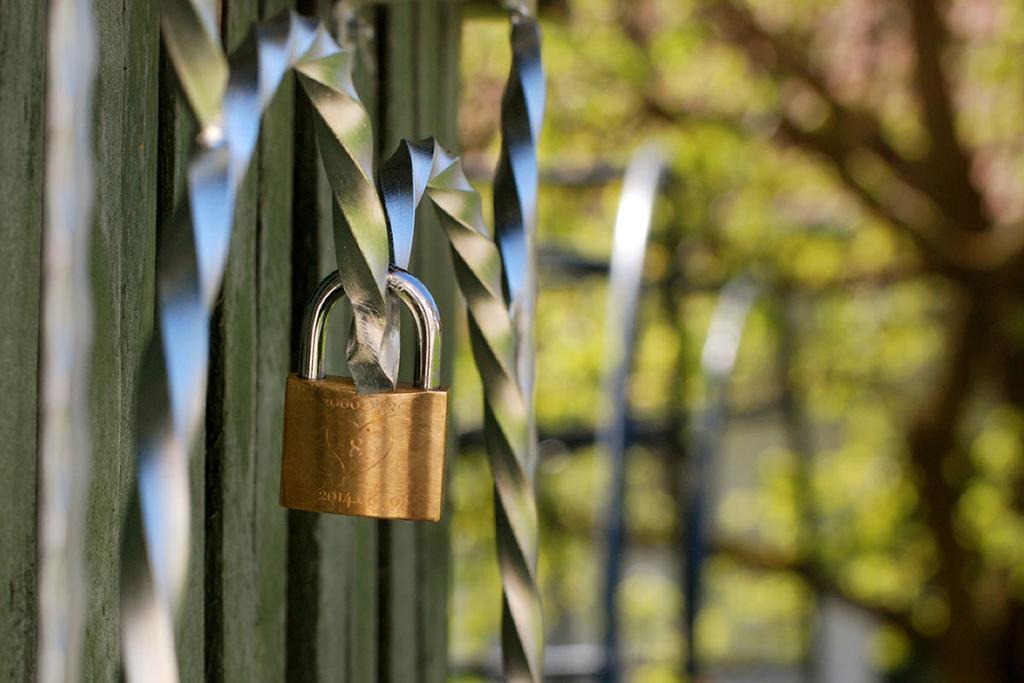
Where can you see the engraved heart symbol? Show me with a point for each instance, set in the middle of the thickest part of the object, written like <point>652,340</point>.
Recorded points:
<point>351,455</point>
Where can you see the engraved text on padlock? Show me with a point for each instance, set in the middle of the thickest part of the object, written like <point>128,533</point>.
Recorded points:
<point>376,455</point>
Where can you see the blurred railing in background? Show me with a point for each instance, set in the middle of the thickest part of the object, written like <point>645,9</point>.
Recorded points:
<point>694,439</point>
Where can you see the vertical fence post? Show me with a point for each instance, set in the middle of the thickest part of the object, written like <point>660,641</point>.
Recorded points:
<point>22,42</point>
<point>800,441</point>
<point>629,244</point>
<point>718,360</point>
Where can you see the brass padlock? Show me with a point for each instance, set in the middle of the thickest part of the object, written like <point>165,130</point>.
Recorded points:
<point>373,455</point>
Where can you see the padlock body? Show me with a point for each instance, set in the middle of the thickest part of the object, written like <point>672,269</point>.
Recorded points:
<point>372,455</point>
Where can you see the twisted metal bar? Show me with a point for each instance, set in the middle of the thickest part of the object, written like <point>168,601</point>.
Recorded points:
<point>402,180</point>
<point>192,38</point>
<point>515,218</point>
<point>424,168</point>
<point>65,450</point>
<point>506,414</point>
<point>515,190</point>
<point>191,257</point>
<point>191,35</point>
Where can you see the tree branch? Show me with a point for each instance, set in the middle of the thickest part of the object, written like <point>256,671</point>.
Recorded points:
<point>951,178</point>
<point>931,441</point>
<point>956,237</point>
<point>847,130</point>
<point>831,144</point>
<point>934,201</point>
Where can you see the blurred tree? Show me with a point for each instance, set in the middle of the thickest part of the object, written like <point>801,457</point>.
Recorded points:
<point>941,192</point>
<point>869,151</point>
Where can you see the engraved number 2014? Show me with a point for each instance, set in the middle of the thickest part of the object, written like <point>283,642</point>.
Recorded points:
<point>345,498</point>
<point>348,500</point>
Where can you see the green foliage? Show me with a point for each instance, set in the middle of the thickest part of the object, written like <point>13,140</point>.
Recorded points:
<point>866,315</point>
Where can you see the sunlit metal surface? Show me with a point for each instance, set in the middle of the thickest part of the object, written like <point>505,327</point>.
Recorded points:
<point>369,455</point>
<point>410,292</point>
<point>629,243</point>
<point>402,180</point>
<point>427,319</point>
<point>500,290</point>
<point>192,256</point>
<point>229,98</point>
<point>515,184</point>
<point>425,169</point>
<point>65,447</point>
<point>492,336</point>
<point>718,359</point>
<point>515,217</point>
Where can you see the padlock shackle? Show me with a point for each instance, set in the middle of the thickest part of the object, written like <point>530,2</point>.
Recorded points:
<point>409,291</point>
<point>421,305</point>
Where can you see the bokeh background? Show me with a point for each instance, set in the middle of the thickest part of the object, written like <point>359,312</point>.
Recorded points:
<point>858,163</point>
